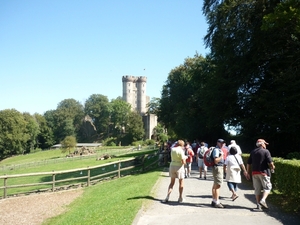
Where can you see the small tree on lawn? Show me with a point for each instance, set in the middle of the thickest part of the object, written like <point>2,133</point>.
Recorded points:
<point>68,143</point>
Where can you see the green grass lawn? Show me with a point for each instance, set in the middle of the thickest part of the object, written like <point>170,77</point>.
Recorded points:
<point>116,201</point>
<point>60,165</point>
<point>112,202</point>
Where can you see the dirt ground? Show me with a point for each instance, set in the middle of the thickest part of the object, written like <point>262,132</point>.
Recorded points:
<point>36,208</point>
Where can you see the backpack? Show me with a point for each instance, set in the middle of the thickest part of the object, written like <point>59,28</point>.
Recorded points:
<point>208,157</point>
<point>186,152</point>
<point>201,152</point>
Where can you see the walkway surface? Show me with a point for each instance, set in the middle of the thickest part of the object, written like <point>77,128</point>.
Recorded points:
<point>197,209</point>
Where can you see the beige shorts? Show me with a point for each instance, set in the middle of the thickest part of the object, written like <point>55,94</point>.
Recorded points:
<point>176,172</point>
<point>217,172</point>
<point>261,183</point>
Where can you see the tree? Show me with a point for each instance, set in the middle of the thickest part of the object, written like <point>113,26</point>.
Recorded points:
<point>160,134</point>
<point>66,119</point>
<point>255,47</point>
<point>120,111</point>
<point>134,130</point>
<point>68,143</point>
<point>153,106</point>
<point>32,129</point>
<point>13,133</point>
<point>187,103</point>
<point>45,138</point>
<point>97,107</point>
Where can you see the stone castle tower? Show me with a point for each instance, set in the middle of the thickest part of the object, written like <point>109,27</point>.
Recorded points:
<point>134,92</point>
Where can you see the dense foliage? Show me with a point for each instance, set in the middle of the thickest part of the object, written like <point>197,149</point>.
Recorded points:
<point>70,122</point>
<point>249,81</point>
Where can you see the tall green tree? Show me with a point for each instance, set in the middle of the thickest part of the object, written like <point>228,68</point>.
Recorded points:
<point>120,111</point>
<point>255,47</point>
<point>187,105</point>
<point>33,130</point>
<point>13,133</point>
<point>153,106</point>
<point>98,108</point>
<point>66,120</point>
<point>45,138</point>
<point>134,130</point>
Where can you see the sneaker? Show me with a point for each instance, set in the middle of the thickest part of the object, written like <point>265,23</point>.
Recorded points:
<point>263,204</point>
<point>213,203</point>
<point>258,208</point>
<point>219,206</point>
<point>180,200</point>
<point>166,199</point>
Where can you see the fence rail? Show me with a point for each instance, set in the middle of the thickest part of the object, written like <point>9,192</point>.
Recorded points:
<point>99,153</point>
<point>133,163</point>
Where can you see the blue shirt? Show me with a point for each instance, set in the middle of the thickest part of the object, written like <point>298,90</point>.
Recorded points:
<point>217,152</point>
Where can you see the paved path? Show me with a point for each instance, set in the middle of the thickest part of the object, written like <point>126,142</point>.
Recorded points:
<point>196,208</point>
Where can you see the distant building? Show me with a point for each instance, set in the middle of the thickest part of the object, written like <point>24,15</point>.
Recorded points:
<point>134,92</point>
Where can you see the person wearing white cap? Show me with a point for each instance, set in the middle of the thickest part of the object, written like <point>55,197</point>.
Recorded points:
<point>261,161</point>
<point>234,144</point>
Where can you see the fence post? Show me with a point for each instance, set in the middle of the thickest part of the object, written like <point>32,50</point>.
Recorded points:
<point>53,181</point>
<point>119,169</point>
<point>143,163</point>
<point>4,190</point>
<point>89,177</point>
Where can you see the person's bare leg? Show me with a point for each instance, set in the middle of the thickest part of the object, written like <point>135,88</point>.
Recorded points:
<point>180,188</point>
<point>171,185</point>
<point>216,192</point>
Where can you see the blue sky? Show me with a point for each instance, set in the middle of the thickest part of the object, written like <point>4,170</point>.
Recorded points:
<point>52,50</point>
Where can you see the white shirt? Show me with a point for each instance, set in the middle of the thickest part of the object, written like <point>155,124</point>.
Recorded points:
<point>238,148</point>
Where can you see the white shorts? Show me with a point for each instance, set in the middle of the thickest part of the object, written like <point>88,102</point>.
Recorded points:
<point>201,164</point>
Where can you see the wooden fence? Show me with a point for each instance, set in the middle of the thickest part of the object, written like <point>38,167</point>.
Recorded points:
<point>100,152</point>
<point>137,164</point>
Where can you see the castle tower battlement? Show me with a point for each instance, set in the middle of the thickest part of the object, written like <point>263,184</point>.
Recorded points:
<point>134,92</point>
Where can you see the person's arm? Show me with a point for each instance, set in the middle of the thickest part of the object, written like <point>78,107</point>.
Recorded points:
<point>272,166</point>
<point>224,168</point>
<point>218,159</point>
<point>192,152</point>
<point>245,171</point>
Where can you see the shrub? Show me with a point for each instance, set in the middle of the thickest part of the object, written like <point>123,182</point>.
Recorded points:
<point>293,155</point>
<point>109,142</point>
<point>149,142</point>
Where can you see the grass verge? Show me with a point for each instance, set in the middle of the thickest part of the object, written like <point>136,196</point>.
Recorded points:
<point>113,202</point>
<point>287,204</point>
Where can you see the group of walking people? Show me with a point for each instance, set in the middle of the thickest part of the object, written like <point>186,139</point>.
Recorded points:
<point>227,164</point>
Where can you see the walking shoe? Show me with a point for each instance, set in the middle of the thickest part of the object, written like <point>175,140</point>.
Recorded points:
<point>234,197</point>
<point>180,200</point>
<point>166,199</point>
<point>258,208</point>
<point>213,203</point>
<point>263,204</point>
<point>219,206</point>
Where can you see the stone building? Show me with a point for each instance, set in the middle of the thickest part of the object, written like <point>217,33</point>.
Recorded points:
<point>134,92</point>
